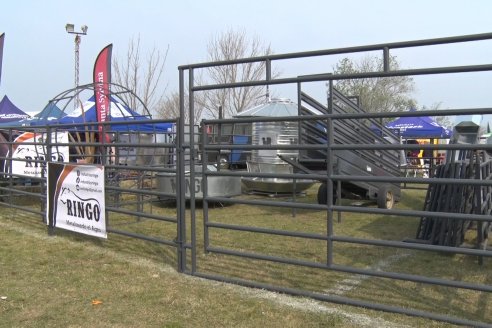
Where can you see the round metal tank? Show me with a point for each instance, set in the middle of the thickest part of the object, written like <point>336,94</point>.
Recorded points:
<point>268,160</point>
<point>273,133</point>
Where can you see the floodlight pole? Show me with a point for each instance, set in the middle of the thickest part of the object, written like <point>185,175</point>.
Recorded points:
<point>77,45</point>
<point>70,29</point>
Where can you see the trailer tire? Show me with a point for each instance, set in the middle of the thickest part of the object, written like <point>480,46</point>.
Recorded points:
<point>386,198</point>
<point>323,194</point>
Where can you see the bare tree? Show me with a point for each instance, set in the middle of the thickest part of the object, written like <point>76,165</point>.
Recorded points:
<point>168,107</point>
<point>381,94</point>
<point>232,45</point>
<point>142,78</point>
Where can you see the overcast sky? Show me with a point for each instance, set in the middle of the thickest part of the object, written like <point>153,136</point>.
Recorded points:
<point>38,61</point>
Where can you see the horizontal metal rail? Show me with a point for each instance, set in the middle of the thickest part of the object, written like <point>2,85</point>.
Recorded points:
<point>142,237</point>
<point>353,270</point>
<point>347,50</point>
<point>414,246</point>
<point>141,214</point>
<point>267,231</point>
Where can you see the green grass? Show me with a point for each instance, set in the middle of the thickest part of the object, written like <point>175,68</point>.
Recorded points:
<point>51,281</point>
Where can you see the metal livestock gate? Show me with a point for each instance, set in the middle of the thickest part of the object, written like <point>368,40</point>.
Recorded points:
<point>337,252</point>
<point>333,259</point>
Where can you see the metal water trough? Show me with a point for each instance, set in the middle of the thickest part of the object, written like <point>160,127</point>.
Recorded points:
<point>217,186</point>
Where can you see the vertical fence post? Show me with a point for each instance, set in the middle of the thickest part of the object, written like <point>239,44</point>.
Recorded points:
<point>180,171</point>
<point>329,174</point>
<point>10,159</point>
<point>191,116</point>
<point>50,223</point>
<point>203,145</point>
<point>386,59</point>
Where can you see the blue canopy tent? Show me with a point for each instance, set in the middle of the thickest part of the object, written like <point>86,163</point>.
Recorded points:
<point>9,112</point>
<point>118,113</point>
<point>419,127</point>
<point>51,111</point>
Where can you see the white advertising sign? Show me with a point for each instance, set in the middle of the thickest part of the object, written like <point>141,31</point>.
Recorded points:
<point>76,200</point>
<point>29,159</point>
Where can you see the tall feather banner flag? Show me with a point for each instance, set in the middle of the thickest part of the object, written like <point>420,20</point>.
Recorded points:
<point>102,80</point>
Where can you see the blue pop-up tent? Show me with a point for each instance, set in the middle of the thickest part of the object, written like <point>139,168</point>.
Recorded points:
<point>419,127</point>
<point>9,112</point>
<point>118,113</point>
<point>50,112</point>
